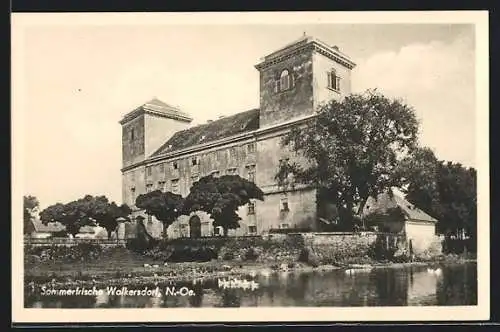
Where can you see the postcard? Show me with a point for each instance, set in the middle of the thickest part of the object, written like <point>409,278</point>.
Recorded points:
<point>250,167</point>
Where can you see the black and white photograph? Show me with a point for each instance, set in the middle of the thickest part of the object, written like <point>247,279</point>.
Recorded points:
<point>295,166</point>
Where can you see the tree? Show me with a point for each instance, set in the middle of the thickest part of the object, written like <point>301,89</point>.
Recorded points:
<point>66,214</point>
<point>445,190</point>
<point>84,212</point>
<point>418,172</point>
<point>164,206</point>
<point>353,147</point>
<point>221,197</point>
<point>457,189</point>
<point>30,205</point>
<point>104,212</point>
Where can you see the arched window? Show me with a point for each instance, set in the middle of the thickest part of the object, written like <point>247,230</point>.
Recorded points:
<point>284,81</point>
<point>333,80</point>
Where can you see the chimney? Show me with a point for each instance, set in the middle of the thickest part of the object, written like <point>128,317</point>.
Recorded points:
<point>335,47</point>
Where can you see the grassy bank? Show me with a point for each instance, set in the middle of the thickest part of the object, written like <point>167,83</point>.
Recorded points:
<point>123,266</point>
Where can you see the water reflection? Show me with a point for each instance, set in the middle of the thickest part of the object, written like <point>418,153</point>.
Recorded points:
<point>413,286</point>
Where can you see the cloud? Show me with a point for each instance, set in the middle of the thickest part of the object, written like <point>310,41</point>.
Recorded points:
<point>438,80</point>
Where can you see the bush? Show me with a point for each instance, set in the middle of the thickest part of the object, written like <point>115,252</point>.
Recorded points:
<point>290,230</point>
<point>379,251</point>
<point>251,255</point>
<point>309,257</point>
<point>140,244</point>
<point>80,252</point>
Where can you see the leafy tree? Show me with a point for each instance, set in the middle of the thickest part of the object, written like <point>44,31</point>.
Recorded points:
<point>30,205</point>
<point>418,172</point>
<point>164,206</point>
<point>445,190</point>
<point>66,214</point>
<point>221,197</point>
<point>457,188</point>
<point>353,147</point>
<point>104,212</point>
<point>84,212</point>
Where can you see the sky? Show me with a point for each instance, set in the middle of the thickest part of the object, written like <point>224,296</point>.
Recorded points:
<point>79,80</point>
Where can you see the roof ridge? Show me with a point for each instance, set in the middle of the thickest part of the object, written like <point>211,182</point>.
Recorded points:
<point>243,119</point>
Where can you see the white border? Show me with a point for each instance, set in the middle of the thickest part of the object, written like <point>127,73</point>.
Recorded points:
<point>479,312</point>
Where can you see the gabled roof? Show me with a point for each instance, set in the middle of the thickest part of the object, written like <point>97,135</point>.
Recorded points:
<point>225,127</point>
<point>158,107</point>
<point>387,201</point>
<point>52,227</point>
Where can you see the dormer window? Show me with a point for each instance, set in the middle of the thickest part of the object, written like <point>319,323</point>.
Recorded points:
<point>284,81</point>
<point>333,80</point>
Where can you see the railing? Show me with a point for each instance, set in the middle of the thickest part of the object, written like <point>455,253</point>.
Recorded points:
<point>68,241</point>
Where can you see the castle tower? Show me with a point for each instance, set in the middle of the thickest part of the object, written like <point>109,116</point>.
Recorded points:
<point>144,130</point>
<point>295,79</point>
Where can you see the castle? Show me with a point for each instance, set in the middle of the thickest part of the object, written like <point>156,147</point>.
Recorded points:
<point>162,151</point>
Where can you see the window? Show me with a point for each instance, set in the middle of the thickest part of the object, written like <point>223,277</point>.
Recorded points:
<point>132,195</point>
<point>252,229</point>
<point>194,161</point>
<point>251,208</point>
<point>284,161</point>
<point>284,82</point>
<point>161,185</point>
<point>194,179</point>
<point>175,186</point>
<point>284,204</point>
<point>148,170</point>
<point>251,172</point>
<point>220,155</point>
<point>132,134</point>
<point>217,230</point>
<point>149,187</point>
<point>232,171</point>
<point>284,226</point>
<point>175,165</point>
<point>333,80</point>
<point>215,173</point>
<point>150,219</point>
<point>161,167</point>
<point>232,153</point>
<point>251,147</point>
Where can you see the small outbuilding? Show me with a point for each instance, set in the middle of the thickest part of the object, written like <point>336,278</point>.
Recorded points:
<point>390,212</point>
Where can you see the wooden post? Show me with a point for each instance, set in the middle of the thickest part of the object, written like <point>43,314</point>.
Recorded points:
<point>410,247</point>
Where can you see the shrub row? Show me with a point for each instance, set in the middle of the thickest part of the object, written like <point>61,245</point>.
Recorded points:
<point>79,252</point>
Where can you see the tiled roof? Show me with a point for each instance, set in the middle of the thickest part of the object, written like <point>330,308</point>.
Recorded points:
<point>49,228</point>
<point>161,108</point>
<point>225,127</point>
<point>384,202</point>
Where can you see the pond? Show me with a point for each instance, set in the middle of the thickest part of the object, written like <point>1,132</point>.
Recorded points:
<point>453,284</point>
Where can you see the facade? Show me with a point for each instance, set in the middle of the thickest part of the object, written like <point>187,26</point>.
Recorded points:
<point>161,150</point>
<point>92,232</point>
